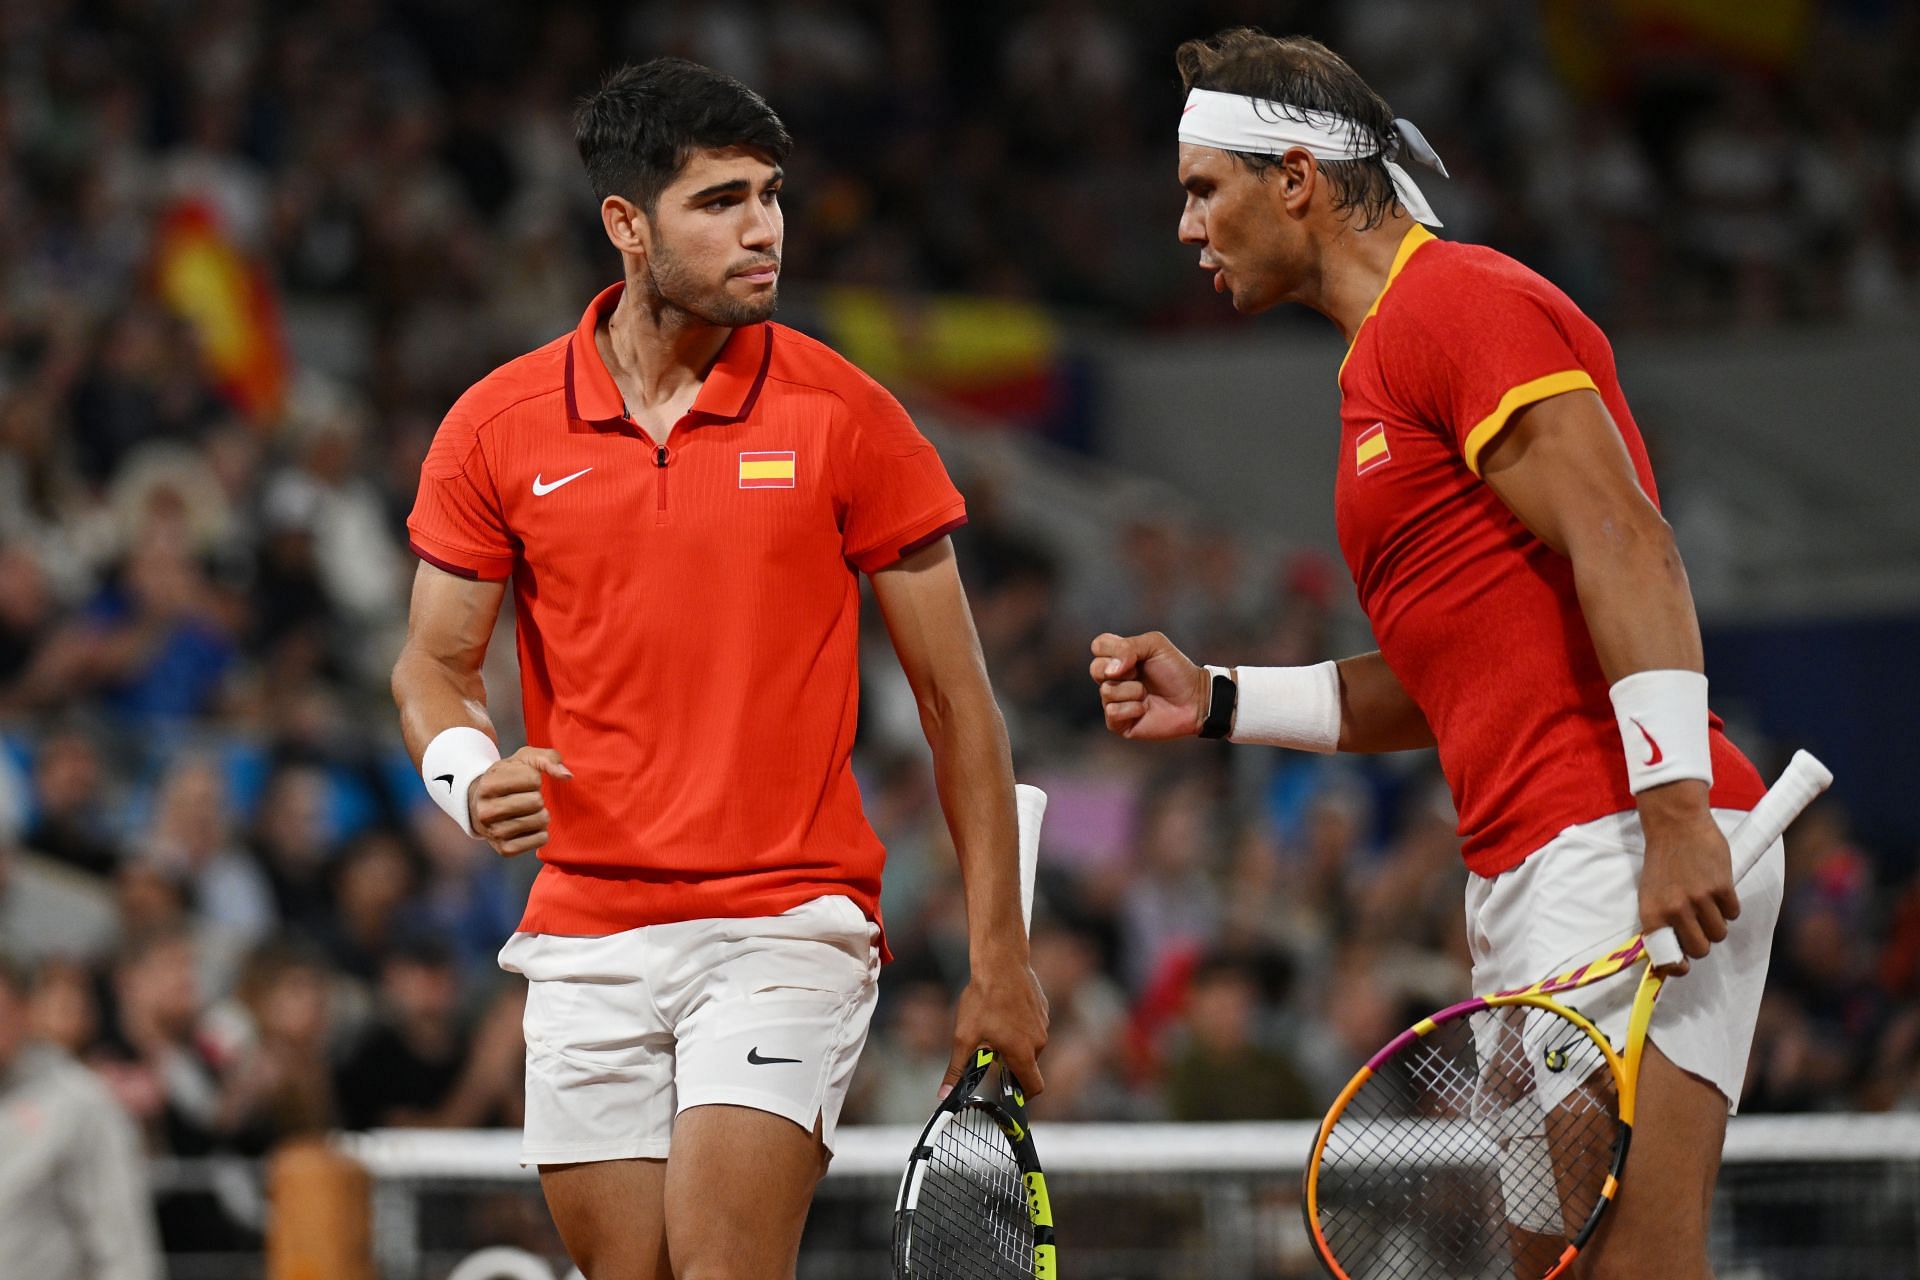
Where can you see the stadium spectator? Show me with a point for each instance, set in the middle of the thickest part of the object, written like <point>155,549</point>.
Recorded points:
<point>69,822</point>
<point>1221,1071</point>
<point>1171,905</point>
<point>153,638</point>
<point>65,1009</point>
<point>73,1194</point>
<point>280,1027</point>
<point>191,840</point>
<point>1086,1034</point>
<point>374,889</point>
<point>291,841</point>
<point>419,1065</point>
<point>28,613</point>
<point>47,909</point>
<point>157,1053</point>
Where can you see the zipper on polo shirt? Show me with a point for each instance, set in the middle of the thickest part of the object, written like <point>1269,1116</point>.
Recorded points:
<point>660,459</point>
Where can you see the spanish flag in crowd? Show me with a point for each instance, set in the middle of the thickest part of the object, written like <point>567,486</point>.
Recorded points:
<point>205,277</point>
<point>1598,44</point>
<point>997,357</point>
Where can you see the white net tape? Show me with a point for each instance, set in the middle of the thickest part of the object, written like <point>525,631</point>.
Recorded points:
<point>1266,1148</point>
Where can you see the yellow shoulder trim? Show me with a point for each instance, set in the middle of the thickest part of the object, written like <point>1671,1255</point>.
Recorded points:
<point>1516,399</point>
<point>1415,237</point>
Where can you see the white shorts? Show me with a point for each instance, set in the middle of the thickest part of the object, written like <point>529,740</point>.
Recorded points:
<point>1579,893</point>
<point>626,1031</point>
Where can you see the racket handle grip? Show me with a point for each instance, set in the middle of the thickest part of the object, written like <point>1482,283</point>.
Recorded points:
<point>1030,805</point>
<point>1804,778</point>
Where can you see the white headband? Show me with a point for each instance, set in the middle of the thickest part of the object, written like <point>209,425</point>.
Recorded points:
<point>1232,122</point>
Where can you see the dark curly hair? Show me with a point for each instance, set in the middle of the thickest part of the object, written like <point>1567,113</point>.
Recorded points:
<point>1307,76</point>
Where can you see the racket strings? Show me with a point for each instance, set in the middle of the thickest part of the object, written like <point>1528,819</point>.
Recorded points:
<point>971,1220</point>
<point>1476,1151</point>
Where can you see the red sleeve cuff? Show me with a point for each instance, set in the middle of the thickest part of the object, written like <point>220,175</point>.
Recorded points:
<point>459,561</point>
<point>923,532</point>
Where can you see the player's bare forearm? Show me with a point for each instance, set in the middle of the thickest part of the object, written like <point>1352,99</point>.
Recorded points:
<point>436,679</point>
<point>1633,591</point>
<point>1562,468</point>
<point>437,686</point>
<point>1376,711</point>
<point>932,629</point>
<point>1639,610</point>
<point>1634,594</point>
<point>973,771</point>
<point>433,695</point>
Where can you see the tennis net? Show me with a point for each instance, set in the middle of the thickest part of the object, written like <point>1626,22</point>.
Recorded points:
<point>1812,1197</point>
<point>1801,1198</point>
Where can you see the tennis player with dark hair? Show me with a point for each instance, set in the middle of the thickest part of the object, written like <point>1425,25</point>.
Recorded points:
<point>683,495</point>
<point>1496,507</point>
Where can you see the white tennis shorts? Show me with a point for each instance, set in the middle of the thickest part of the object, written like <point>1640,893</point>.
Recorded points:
<point>626,1031</point>
<point>1579,894</point>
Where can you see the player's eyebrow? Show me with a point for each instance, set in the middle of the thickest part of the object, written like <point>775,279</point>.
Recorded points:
<point>734,186</point>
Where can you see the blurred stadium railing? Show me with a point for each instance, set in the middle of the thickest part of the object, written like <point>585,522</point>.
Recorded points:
<point>1810,1197</point>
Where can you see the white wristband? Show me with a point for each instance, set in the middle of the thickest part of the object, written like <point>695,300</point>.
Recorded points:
<point>449,765</point>
<point>1663,727</point>
<point>1297,707</point>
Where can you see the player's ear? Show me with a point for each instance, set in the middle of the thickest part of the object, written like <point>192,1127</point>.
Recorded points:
<point>1298,174</point>
<point>625,223</point>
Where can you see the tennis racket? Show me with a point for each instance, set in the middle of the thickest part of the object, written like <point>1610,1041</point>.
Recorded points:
<point>1489,1139</point>
<point>973,1202</point>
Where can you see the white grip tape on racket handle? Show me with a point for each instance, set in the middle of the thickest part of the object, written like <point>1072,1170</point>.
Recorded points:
<point>1030,804</point>
<point>1804,778</point>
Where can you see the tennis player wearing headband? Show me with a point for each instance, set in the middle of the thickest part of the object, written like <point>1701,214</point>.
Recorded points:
<point>1496,507</point>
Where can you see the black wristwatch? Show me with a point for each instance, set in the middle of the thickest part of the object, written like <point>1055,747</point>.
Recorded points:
<point>1225,696</point>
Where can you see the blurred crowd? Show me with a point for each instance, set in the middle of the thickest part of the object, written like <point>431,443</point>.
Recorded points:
<point>236,904</point>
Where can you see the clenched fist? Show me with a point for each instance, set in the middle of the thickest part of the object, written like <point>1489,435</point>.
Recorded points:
<point>1149,689</point>
<point>505,804</point>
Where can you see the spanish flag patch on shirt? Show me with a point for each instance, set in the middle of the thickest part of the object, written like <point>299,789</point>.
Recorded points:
<point>1370,448</point>
<point>766,470</point>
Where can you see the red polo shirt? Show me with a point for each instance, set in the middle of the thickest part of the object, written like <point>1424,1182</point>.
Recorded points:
<point>688,615</point>
<point>1478,618</point>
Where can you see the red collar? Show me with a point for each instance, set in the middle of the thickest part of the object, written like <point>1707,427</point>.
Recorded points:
<point>728,393</point>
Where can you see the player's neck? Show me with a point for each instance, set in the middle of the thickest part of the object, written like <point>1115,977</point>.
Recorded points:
<point>1354,266</point>
<point>657,352</point>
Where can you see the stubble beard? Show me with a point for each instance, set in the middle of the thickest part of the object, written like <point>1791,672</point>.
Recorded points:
<point>672,286</point>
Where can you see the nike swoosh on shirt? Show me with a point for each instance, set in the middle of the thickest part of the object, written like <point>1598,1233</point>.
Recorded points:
<point>446,778</point>
<point>541,490</point>
<point>1658,755</point>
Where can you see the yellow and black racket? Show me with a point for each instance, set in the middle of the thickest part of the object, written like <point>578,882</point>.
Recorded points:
<point>1489,1139</point>
<point>973,1202</point>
